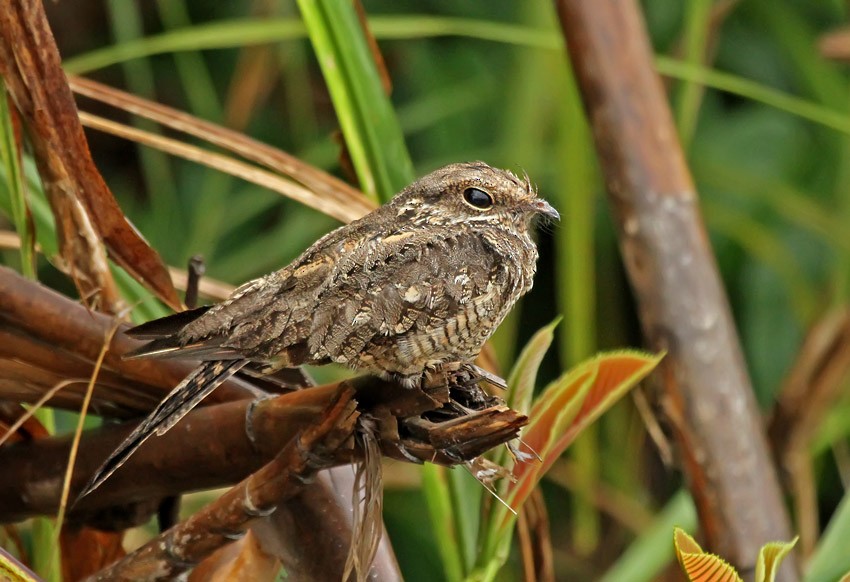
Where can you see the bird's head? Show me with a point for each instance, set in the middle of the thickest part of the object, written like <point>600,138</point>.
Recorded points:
<point>473,194</point>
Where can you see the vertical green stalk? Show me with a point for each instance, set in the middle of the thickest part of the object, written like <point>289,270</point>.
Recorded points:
<point>46,557</point>
<point>369,124</point>
<point>126,24</point>
<point>15,185</point>
<point>210,210</point>
<point>577,293</point>
<point>438,497</point>
<point>689,98</point>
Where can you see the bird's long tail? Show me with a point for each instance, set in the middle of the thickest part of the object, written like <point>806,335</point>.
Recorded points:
<point>185,396</point>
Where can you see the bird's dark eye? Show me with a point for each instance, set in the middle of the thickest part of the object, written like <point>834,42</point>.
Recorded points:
<point>478,198</point>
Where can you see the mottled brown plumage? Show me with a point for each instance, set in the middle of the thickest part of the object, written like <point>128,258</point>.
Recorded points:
<point>421,281</point>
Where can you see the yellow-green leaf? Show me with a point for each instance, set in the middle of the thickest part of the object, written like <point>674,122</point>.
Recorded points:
<point>770,557</point>
<point>700,566</point>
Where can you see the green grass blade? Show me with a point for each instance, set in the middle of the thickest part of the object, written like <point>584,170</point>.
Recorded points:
<point>369,124</point>
<point>435,485</point>
<point>831,559</point>
<point>689,95</point>
<point>14,186</point>
<point>244,32</point>
<point>754,91</point>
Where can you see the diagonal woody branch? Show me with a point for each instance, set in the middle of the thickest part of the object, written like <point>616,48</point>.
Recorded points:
<point>707,396</point>
<point>186,544</point>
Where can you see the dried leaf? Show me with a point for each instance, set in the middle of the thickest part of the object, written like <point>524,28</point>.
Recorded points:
<point>243,560</point>
<point>348,202</point>
<point>87,550</point>
<point>86,212</point>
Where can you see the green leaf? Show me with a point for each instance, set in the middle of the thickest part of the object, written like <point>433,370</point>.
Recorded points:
<point>831,558</point>
<point>369,124</point>
<point>14,187</point>
<point>770,557</point>
<point>245,32</point>
<point>570,404</point>
<point>563,410</point>
<point>523,376</point>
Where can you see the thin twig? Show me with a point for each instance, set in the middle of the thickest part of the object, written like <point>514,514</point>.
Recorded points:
<point>34,408</point>
<point>75,443</point>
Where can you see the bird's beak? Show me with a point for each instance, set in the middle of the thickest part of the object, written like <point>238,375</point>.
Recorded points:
<point>540,206</point>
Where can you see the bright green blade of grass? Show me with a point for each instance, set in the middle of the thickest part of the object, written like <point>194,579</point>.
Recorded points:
<point>689,94</point>
<point>831,559</point>
<point>14,187</point>
<point>369,124</point>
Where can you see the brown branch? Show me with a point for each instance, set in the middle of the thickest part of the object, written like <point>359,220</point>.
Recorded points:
<point>86,212</point>
<point>183,459</point>
<point>815,382</point>
<point>183,546</point>
<point>46,337</point>
<point>246,435</point>
<point>683,308</point>
<point>312,531</point>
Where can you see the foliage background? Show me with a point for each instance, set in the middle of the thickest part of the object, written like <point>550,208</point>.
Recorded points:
<point>490,81</point>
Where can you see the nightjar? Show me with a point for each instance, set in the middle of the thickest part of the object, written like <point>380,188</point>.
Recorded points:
<point>421,281</point>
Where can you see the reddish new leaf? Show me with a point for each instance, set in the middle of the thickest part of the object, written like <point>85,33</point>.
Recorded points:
<point>570,404</point>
